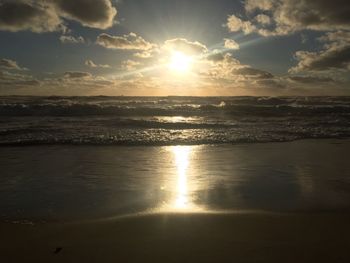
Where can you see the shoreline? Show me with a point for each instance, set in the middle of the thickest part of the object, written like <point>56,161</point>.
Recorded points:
<point>127,144</point>
<point>69,183</point>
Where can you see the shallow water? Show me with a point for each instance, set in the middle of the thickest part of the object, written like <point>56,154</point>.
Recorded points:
<point>82,182</point>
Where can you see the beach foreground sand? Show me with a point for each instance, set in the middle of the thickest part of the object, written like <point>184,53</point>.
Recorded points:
<point>286,202</point>
<point>250,237</point>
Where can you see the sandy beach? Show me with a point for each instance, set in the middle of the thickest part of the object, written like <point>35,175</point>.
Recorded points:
<point>255,237</point>
<point>270,202</point>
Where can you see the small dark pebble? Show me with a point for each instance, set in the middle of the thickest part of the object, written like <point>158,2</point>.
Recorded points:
<point>58,250</point>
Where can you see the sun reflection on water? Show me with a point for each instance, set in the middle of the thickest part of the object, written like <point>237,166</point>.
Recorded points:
<point>181,185</point>
<point>182,154</point>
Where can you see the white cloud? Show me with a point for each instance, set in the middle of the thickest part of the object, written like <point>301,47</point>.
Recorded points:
<point>130,64</point>
<point>9,64</point>
<point>185,46</point>
<point>125,42</point>
<point>235,24</point>
<point>263,19</point>
<point>231,44</point>
<point>92,64</point>
<point>252,5</point>
<point>14,80</point>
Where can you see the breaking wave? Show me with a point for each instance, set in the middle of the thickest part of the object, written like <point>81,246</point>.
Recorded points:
<point>170,120</point>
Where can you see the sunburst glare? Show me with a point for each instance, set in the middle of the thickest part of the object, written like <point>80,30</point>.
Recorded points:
<point>180,62</point>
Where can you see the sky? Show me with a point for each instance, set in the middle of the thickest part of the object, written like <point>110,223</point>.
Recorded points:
<point>167,47</point>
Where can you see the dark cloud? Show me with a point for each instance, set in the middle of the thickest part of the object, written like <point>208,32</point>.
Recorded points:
<point>288,16</point>
<point>76,75</point>
<point>311,79</point>
<point>312,14</point>
<point>252,73</point>
<point>48,15</point>
<point>334,56</point>
<point>66,39</point>
<point>28,15</point>
<point>270,84</point>
<point>91,13</point>
<point>125,42</point>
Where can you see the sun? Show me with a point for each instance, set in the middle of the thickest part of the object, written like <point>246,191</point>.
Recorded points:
<point>179,62</point>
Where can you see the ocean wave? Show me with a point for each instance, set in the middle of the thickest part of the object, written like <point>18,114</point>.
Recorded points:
<point>162,107</point>
<point>170,120</point>
<point>152,136</point>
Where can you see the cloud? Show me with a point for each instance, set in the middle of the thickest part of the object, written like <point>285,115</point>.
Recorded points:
<point>230,75</point>
<point>185,46</point>
<point>91,13</point>
<point>263,19</point>
<point>9,64</point>
<point>13,80</point>
<point>219,57</point>
<point>224,66</point>
<point>72,39</point>
<point>130,64</point>
<point>231,44</point>
<point>252,5</point>
<point>269,84</point>
<point>311,79</point>
<point>293,15</point>
<point>252,73</point>
<point>289,16</point>
<point>48,15</point>
<point>91,64</point>
<point>235,24</point>
<point>76,75</point>
<point>334,56</point>
<point>144,54</point>
<point>125,42</point>
<point>27,15</point>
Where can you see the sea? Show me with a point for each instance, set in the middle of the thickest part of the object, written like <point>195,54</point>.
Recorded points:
<point>170,120</point>
<point>91,158</point>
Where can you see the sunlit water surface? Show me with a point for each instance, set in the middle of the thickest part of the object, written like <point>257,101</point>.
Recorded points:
<point>76,182</point>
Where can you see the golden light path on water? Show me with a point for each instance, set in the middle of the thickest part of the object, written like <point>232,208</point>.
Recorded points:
<point>183,185</point>
<point>182,160</point>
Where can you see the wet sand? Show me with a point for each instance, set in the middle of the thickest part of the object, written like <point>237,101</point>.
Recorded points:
<point>65,183</point>
<point>251,237</point>
<point>291,201</point>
